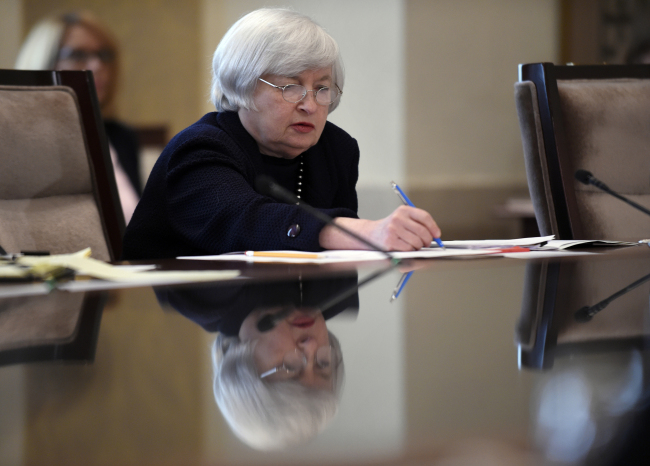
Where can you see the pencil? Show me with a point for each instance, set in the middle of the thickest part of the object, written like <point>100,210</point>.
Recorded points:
<point>402,195</point>
<point>285,255</point>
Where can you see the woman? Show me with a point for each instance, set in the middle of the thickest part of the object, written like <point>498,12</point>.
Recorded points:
<point>276,77</point>
<point>280,386</point>
<point>78,41</point>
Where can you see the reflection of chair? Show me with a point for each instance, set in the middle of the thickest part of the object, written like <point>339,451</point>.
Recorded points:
<point>57,187</point>
<point>59,326</point>
<point>595,118</point>
<point>575,307</point>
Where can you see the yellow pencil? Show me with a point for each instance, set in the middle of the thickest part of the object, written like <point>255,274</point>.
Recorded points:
<point>286,255</point>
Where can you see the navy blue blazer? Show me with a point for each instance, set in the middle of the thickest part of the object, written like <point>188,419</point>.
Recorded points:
<point>200,197</point>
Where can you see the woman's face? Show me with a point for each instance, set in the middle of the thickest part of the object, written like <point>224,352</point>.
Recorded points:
<point>284,129</point>
<point>301,330</point>
<point>81,49</point>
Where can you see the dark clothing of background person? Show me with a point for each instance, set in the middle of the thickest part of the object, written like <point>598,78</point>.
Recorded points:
<point>125,142</point>
<point>199,198</point>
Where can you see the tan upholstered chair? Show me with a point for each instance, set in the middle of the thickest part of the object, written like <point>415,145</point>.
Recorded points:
<point>57,187</point>
<point>595,118</point>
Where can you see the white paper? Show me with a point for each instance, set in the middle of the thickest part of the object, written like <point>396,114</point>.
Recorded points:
<point>496,243</point>
<point>560,244</point>
<point>334,256</point>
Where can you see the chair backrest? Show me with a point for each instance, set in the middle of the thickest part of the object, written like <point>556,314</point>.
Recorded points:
<point>595,118</point>
<point>57,186</point>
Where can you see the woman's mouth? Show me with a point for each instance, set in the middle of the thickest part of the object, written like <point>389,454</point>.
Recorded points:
<point>302,322</point>
<point>303,127</point>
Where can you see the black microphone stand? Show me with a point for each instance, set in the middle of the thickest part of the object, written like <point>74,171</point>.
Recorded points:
<point>587,178</point>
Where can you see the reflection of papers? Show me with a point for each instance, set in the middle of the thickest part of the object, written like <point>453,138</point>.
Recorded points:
<point>326,257</point>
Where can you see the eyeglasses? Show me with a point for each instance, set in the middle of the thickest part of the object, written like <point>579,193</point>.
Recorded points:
<point>294,93</point>
<point>295,361</point>
<point>81,56</point>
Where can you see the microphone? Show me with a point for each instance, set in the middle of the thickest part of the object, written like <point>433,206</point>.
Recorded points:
<point>585,177</point>
<point>586,313</point>
<point>267,186</point>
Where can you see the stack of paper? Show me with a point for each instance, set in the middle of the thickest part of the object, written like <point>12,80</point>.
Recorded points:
<point>522,248</point>
<point>43,267</point>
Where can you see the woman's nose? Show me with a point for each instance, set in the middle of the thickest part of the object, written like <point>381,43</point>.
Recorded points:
<point>308,345</point>
<point>308,104</point>
<point>94,64</point>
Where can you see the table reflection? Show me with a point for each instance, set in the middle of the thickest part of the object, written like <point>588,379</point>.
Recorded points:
<point>55,327</point>
<point>430,378</point>
<point>278,371</point>
<point>586,324</point>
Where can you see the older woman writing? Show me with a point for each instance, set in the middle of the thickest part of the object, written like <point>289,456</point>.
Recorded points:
<point>276,77</point>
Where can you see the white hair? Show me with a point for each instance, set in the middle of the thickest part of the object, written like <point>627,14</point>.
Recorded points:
<point>41,48</point>
<point>269,415</point>
<point>269,41</point>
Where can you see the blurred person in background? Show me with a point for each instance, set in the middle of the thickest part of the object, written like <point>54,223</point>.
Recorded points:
<point>79,41</point>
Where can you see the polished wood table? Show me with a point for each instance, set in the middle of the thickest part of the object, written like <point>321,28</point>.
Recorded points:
<point>478,361</point>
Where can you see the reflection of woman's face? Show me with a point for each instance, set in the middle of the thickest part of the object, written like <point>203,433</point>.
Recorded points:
<point>305,331</point>
<point>81,49</point>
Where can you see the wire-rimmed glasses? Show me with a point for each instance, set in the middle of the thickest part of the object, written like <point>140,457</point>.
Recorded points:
<point>81,56</point>
<point>294,93</point>
<point>295,361</point>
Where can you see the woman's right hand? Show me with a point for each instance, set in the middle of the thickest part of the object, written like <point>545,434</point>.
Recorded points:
<point>406,229</point>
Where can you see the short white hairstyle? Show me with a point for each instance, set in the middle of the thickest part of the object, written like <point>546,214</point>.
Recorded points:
<point>269,41</point>
<point>269,415</point>
<point>41,47</point>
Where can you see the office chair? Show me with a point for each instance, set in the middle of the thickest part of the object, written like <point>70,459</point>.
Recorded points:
<point>595,118</point>
<point>57,185</point>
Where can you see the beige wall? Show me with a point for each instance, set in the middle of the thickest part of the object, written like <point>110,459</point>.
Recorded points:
<point>160,39</point>
<point>462,57</point>
<point>10,31</point>
<point>463,147</point>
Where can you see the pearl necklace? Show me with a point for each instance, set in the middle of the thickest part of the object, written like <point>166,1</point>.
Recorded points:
<point>299,186</point>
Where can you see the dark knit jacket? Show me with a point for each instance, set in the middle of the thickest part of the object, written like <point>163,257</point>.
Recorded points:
<point>200,197</point>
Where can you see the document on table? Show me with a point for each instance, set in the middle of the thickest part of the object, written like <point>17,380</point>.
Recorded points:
<point>496,243</point>
<point>560,245</point>
<point>333,256</point>
<point>82,264</point>
<point>547,243</point>
<point>521,248</point>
